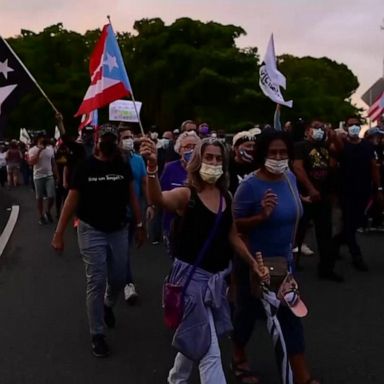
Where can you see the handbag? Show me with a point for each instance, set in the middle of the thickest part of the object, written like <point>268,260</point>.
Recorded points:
<point>277,266</point>
<point>173,293</point>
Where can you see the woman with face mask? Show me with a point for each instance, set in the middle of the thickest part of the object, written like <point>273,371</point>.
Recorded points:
<point>175,174</point>
<point>198,206</point>
<point>267,209</point>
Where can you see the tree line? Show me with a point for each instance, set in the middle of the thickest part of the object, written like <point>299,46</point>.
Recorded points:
<point>188,69</point>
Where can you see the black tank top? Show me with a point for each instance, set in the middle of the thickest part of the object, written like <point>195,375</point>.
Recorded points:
<point>189,232</point>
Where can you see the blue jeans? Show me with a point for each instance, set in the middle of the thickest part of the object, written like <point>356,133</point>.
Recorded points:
<point>105,258</point>
<point>210,367</point>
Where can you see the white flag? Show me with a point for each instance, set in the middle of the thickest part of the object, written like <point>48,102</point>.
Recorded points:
<point>57,133</point>
<point>271,79</point>
<point>24,136</point>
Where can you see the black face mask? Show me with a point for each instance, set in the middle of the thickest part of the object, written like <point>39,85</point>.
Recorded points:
<point>108,148</point>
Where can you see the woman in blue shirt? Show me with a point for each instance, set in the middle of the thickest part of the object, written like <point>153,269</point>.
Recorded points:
<point>266,209</point>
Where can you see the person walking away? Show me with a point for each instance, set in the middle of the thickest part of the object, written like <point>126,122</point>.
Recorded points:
<point>13,158</point>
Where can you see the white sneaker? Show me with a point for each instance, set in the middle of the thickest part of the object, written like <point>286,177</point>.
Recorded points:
<point>130,294</point>
<point>295,250</point>
<point>306,251</point>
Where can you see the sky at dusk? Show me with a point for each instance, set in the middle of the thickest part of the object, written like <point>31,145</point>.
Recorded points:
<point>347,31</point>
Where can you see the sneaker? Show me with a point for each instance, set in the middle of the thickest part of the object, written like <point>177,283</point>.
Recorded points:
<point>109,317</point>
<point>306,251</point>
<point>295,250</point>
<point>99,346</point>
<point>331,276</point>
<point>130,294</point>
<point>42,220</point>
<point>155,242</point>
<point>49,217</point>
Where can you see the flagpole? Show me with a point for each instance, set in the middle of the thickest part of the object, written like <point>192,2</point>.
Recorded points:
<point>30,75</point>
<point>132,96</point>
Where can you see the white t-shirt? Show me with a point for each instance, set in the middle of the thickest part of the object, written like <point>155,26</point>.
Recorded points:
<point>3,162</point>
<point>43,167</point>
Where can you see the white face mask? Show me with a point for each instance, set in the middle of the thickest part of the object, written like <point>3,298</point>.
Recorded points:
<point>354,130</point>
<point>317,134</point>
<point>277,167</point>
<point>127,144</point>
<point>210,173</point>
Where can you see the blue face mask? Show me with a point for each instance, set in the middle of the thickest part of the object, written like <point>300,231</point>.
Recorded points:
<point>187,156</point>
<point>317,134</point>
<point>354,130</point>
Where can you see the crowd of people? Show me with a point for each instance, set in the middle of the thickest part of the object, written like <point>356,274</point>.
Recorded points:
<point>216,202</point>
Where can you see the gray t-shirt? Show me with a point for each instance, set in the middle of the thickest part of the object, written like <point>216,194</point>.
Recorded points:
<point>43,167</point>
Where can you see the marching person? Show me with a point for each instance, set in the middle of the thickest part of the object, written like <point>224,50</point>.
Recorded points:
<point>359,181</point>
<point>312,168</point>
<point>267,209</point>
<point>100,191</point>
<point>197,205</point>
<point>42,158</point>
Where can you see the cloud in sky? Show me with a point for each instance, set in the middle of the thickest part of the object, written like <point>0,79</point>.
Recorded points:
<point>347,31</point>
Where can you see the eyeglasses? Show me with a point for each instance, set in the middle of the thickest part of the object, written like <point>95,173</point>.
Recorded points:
<point>189,146</point>
<point>318,126</point>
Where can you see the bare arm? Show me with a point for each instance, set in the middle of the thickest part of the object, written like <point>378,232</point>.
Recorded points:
<point>242,250</point>
<point>301,174</point>
<point>68,210</point>
<point>35,158</point>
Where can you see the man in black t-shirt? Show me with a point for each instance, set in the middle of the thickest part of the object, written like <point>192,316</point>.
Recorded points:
<point>359,179</point>
<point>101,189</point>
<point>312,168</point>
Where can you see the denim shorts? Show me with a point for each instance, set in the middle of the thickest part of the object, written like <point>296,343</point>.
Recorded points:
<point>45,187</point>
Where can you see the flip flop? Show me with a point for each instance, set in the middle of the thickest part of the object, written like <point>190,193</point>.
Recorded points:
<point>242,374</point>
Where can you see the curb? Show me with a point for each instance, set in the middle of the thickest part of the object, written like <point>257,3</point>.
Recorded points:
<point>4,237</point>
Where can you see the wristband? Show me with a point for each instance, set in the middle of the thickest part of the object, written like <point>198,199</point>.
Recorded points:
<point>150,172</point>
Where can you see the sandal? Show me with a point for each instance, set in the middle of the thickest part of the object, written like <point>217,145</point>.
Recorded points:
<point>242,374</point>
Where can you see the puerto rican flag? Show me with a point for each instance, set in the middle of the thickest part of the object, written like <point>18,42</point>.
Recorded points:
<point>109,79</point>
<point>376,110</point>
<point>90,118</point>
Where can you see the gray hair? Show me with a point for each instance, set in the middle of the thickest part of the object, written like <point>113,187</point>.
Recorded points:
<point>182,137</point>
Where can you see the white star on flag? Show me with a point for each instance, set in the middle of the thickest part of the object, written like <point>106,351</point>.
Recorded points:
<point>111,62</point>
<point>4,69</point>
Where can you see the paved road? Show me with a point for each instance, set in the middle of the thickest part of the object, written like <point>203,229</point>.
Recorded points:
<point>43,327</point>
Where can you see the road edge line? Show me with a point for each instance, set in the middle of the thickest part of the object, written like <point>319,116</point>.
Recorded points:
<point>6,234</point>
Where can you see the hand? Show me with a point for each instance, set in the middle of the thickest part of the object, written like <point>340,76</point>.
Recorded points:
<point>59,116</point>
<point>314,195</point>
<point>150,214</point>
<point>260,269</point>
<point>268,203</point>
<point>139,236</point>
<point>306,199</point>
<point>148,151</point>
<point>57,242</point>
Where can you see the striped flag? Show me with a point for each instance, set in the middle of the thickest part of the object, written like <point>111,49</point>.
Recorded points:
<point>90,118</point>
<point>271,305</point>
<point>376,110</point>
<point>109,79</point>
